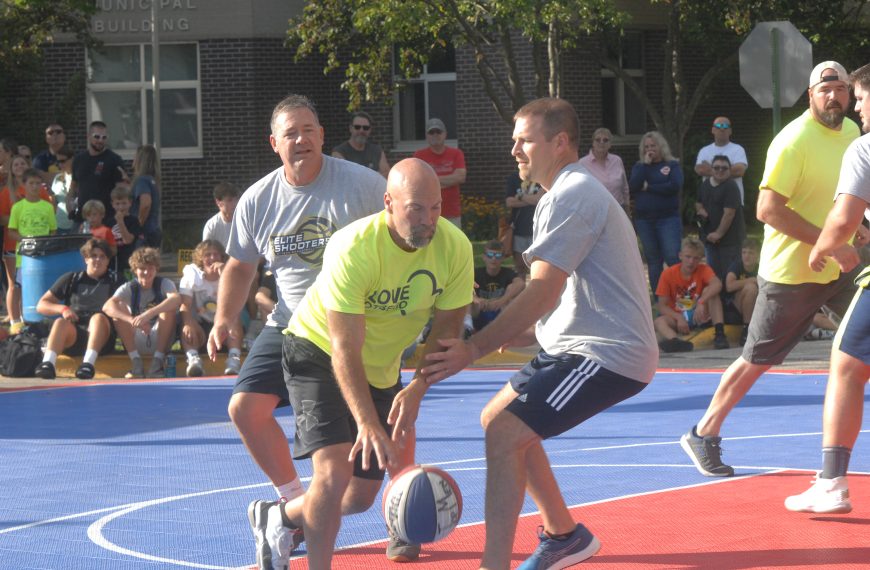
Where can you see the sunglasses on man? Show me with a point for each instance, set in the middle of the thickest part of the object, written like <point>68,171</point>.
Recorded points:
<point>722,125</point>
<point>362,127</point>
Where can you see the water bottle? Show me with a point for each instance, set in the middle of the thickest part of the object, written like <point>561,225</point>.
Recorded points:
<point>169,366</point>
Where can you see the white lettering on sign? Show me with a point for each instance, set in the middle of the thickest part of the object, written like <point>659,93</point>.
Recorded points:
<point>112,20</point>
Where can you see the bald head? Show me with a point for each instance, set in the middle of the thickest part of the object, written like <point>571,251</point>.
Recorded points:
<point>413,203</point>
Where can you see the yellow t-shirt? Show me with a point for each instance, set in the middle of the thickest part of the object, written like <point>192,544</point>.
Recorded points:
<point>365,272</point>
<point>803,164</point>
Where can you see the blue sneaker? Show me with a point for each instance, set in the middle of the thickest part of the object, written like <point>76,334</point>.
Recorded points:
<point>555,554</point>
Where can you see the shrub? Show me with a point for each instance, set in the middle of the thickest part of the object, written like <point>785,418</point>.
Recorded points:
<point>480,217</point>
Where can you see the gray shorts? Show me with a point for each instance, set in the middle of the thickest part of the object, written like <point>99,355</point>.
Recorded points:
<point>261,371</point>
<point>322,415</point>
<point>783,313</point>
<point>521,243</point>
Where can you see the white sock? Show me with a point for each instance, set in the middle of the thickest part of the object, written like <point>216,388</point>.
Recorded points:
<point>90,356</point>
<point>290,490</point>
<point>158,355</point>
<point>49,356</point>
<point>192,355</point>
<point>134,354</point>
<point>234,353</point>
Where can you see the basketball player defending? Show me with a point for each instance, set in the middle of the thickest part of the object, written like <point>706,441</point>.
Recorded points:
<point>588,306</point>
<point>381,278</point>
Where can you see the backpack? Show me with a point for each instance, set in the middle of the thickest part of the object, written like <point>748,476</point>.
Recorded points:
<point>20,355</point>
<point>136,292</point>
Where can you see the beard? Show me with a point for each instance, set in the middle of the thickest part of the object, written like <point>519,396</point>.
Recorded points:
<point>831,116</point>
<point>421,235</point>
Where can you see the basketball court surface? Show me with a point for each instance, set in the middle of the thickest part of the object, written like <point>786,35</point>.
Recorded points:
<point>152,474</point>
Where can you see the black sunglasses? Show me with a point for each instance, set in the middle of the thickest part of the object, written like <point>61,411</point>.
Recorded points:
<point>362,127</point>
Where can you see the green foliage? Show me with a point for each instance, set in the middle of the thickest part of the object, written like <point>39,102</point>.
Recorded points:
<point>480,217</point>
<point>359,36</point>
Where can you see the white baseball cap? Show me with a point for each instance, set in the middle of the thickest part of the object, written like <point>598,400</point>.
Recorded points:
<point>828,71</point>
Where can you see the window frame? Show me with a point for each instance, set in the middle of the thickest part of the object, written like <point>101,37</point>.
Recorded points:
<point>144,88</point>
<point>619,135</point>
<point>407,145</point>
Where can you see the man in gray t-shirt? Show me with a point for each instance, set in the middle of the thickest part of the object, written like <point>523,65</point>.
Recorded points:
<point>587,305</point>
<point>359,149</point>
<point>287,217</point>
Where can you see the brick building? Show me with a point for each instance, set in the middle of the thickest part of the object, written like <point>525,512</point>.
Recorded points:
<point>224,65</point>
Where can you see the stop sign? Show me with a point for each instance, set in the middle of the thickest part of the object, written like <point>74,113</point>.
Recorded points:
<point>756,63</point>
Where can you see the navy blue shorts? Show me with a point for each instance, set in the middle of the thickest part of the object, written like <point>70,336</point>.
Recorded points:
<point>261,371</point>
<point>853,335</point>
<point>557,393</point>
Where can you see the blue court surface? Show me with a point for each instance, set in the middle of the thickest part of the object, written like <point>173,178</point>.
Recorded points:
<point>153,474</point>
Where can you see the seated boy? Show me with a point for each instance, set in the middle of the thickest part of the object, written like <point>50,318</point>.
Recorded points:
<point>688,297</point>
<point>94,211</point>
<point>143,311</point>
<point>198,288</point>
<point>741,283</point>
<point>126,230</point>
<point>30,217</point>
<point>496,286</point>
<point>77,298</point>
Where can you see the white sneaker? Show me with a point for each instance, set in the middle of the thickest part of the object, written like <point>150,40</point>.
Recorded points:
<point>274,541</point>
<point>194,367</point>
<point>234,364</point>
<point>825,496</point>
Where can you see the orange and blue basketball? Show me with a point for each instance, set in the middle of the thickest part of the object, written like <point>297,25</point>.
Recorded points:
<point>422,504</point>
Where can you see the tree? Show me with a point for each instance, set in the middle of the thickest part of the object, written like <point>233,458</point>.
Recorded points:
<point>28,25</point>
<point>360,35</point>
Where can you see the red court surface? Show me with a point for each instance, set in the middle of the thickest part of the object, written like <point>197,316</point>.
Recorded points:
<point>745,526</point>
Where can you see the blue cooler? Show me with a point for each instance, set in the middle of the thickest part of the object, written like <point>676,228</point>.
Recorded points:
<point>43,261</point>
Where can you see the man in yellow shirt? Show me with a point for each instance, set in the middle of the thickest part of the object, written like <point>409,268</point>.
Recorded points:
<point>796,193</point>
<point>382,277</point>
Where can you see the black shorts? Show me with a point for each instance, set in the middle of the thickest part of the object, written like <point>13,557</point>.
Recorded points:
<point>261,371</point>
<point>557,393</point>
<point>80,346</point>
<point>322,415</point>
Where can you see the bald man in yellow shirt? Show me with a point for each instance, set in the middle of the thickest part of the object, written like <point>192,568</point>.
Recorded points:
<point>383,277</point>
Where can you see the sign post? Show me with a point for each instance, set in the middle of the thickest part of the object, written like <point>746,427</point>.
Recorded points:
<point>775,64</point>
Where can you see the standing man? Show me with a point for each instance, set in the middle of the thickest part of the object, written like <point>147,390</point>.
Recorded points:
<point>588,307</point>
<point>359,149</point>
<point>95,173</point>
<point>850,355</point>
<point>719,208</point>
<point>722,145</point>
<point>796,192</point>
<point>46,161</point>
<point>449,165</point>
<point>382,278</point>
<point>287,217</point>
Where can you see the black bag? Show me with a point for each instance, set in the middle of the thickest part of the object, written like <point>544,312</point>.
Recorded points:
<point>20,355</point>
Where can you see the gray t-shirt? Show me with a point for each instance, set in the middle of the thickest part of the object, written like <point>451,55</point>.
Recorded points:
<point>291,225</point>
<point>217,229</point>
<point>146,296</point>
<point>370,156</point>
<point>855,171</point>
<point>604,312</point>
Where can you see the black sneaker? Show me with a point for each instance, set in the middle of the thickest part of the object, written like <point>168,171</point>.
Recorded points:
<point>676,345</point>
<point>86,371</point>
<point>706,453</point>
<point>720,341</point>
<point>45,370</point>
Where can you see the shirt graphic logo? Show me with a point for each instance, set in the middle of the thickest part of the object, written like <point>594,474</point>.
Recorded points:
<point>308,241</point>
<point>397,298</point>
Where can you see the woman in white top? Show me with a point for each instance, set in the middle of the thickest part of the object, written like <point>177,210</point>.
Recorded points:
<point>607,168</point>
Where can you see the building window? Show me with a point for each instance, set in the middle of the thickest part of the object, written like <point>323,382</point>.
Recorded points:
<point>431,94</point>
<point>120,94</point>
<point>622,111</point>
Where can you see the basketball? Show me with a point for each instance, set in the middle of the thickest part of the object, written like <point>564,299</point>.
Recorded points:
<point>422,504</point>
